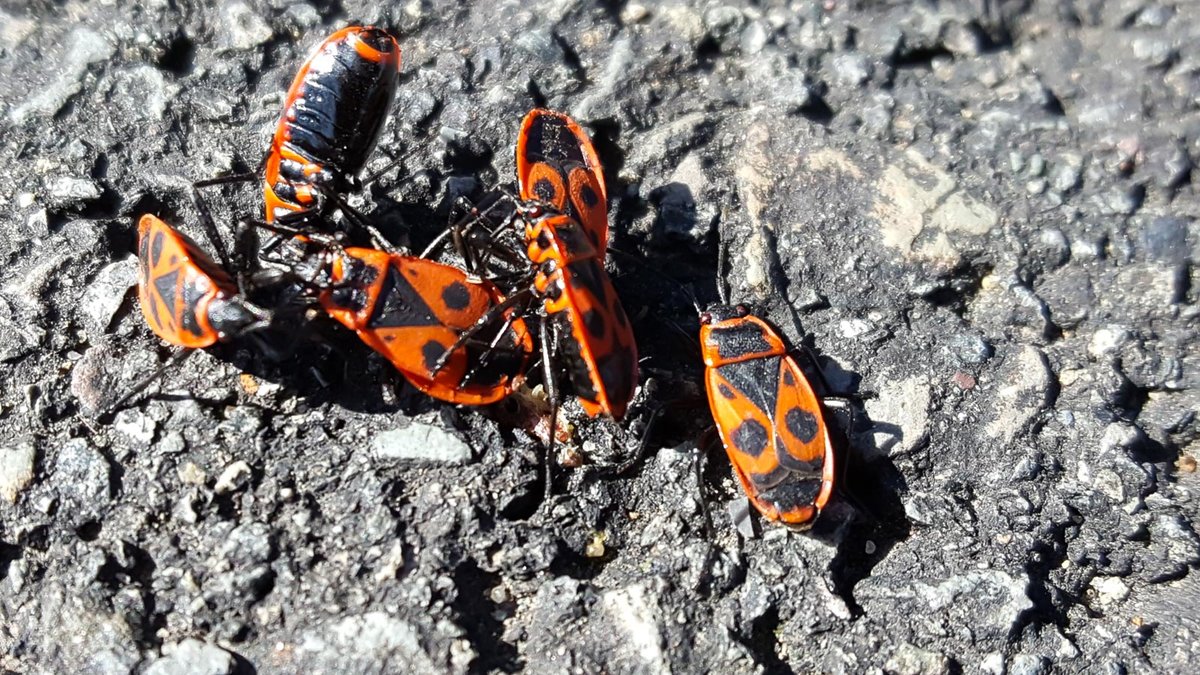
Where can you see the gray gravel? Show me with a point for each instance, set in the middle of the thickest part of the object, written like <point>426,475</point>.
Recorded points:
<point>980,213</point>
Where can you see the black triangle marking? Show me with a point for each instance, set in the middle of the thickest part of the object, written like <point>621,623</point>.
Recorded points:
<point>399,305</point>
<point>167,285</point>
<point>156,247</point>
<point>758,380</point>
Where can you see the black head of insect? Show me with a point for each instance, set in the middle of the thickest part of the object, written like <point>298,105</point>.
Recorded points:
<point>233,317</point>
<point>716,313</point>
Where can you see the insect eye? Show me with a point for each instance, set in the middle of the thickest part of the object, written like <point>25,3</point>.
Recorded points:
<point>742,310</point>
<point>705,318</point>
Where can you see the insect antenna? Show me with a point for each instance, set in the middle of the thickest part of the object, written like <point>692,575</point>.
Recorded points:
<point>474,217</point>
<point>722,268</point>
<point>395,161</point>
<point>686,289</point>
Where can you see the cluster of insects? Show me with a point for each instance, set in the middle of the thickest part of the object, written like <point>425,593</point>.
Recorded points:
<point>528,285</point>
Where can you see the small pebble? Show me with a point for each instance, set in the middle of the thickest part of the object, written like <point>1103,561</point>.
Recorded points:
<point>964,381</point>
<point>191,474</point>
<point>16,469</point>
<point>422,442</point>
<point>233,478</point>
<point>64,191</point>
<point>634,12</point>
<point>1037,165</point>
<point>595,546</point>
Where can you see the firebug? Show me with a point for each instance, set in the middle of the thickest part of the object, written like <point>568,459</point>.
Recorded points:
<point>767,415</point>
<point>413,311</point>
<point>186,298</point>
<point>557,165</point>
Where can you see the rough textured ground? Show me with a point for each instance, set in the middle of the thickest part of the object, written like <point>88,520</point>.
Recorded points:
<point>982,212</point>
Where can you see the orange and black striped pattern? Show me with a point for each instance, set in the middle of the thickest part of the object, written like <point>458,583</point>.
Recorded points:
<point>332,117</point>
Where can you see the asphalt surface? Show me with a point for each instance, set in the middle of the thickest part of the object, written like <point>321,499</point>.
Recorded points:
<point>979,215</point>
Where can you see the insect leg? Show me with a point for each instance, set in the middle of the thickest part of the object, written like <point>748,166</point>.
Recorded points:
<point>552,393</point>
<point>642,443</point>
<point>287,225</point>
<point>493,346</point>
<point>176,358</point>
<point>491,315</point>
<point>210,226</point>
<point>360,221</point>
<point>396,161</point>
